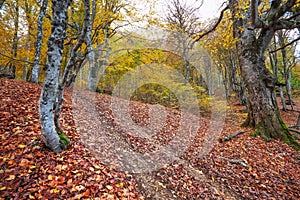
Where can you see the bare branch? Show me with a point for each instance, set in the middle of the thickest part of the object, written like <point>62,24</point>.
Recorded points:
<point>18,60</point>
<point>1,3</point>
<point>288,44</point>
<point>214,27</point>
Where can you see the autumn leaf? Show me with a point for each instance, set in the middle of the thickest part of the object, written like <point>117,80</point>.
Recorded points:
<point>2,188</point>
<point>11,177</point>
<point>21,146</point>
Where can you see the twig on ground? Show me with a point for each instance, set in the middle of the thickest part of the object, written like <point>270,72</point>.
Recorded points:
<point>295,131</point>
<point>233,161</point>
<point>230,137</point>
<point>296,127</point>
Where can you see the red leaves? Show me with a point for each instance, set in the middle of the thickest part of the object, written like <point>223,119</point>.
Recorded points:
<point>30,171</point>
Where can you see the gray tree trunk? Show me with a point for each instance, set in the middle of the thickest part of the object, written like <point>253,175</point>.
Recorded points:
<point>71,64</point>
<point>50,87</point>
<point>93,70</point>
<point>286,69</point>
<point>289,87</point>
<point>25,69</point>
<point>282,99</point>
<point>38,44</point>
<point>28,44</point>
<point>14,51</point>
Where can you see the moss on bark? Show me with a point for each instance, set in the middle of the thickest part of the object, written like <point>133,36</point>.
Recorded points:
<point>64,140</point>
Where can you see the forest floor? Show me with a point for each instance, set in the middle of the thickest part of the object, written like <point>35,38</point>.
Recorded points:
<point>100,165</point>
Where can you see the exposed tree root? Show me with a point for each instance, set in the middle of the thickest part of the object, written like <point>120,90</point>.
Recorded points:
<point>230,137</point>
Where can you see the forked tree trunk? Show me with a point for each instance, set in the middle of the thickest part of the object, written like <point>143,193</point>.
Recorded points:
<point>72,62</point>
<point>263,112</point>
<point>253,40</point>
<point>50,87</point>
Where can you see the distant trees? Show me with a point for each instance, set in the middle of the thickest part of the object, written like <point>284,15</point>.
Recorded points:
<point>183,24</point>
<point>238,47</point>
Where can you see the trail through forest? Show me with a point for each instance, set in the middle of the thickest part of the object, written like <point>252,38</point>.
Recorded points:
<point>245,167</point>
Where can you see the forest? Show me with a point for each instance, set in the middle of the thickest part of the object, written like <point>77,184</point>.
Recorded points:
<point>127,99</point>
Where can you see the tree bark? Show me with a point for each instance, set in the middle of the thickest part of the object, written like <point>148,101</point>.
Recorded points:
<point>50,87</point>
<point>93,71</point>
<point>263,113</point>
<point>38,44</point>
<point>72,62</point>
<point>282,99</point>
<point>29,32</point>
<point>286,69</point>
<point>14,51</point>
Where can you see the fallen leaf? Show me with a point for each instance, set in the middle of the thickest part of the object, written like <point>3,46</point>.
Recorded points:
<point>11,177</point>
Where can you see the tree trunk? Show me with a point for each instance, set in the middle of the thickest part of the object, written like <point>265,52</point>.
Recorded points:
<point>282,99</point>
<point>72,62</point>
<point>253,40</point>
<point>289,88</point>
<point>28,44</point>
<point>50,87</point>
<point>93,70</point>
<point>38,44</point>
<point>263,112</point>
<point>286,69</point>
<point>12,67</point>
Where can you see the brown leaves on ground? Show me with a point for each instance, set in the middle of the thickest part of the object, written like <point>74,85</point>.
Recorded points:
<point>28,170</point>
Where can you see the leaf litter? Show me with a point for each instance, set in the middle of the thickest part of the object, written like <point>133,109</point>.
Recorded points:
<point>28,170</point>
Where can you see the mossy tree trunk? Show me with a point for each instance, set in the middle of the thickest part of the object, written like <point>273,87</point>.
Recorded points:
<point>50,87</point>
<point>263,113</point>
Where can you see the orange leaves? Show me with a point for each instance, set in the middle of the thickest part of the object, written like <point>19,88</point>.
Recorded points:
<point>29,170</point>
<point>21,146</point>
<point>11,177</point>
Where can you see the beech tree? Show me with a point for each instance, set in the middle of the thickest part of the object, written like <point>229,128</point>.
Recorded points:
<point>50,87</point>
<point>103,30</point>
<point>255,27</point>
<point>73,64</point>
<point>38,43</point>
<point>184,24</point>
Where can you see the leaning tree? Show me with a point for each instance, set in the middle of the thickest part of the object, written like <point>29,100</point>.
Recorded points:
<point>50,87</point>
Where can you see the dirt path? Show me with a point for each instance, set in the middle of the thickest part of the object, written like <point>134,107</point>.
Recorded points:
<point>110,141</point>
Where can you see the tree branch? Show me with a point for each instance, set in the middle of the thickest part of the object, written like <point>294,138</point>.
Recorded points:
<point>230,137</point>
<point>214,27</point>
<point>1,4</point>
<point>17,60</point>
<point>254,12</point>
<point>234,161</point>
<point>288,44</point>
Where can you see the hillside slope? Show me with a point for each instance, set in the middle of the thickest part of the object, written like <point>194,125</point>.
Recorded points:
<point>242,168</point>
